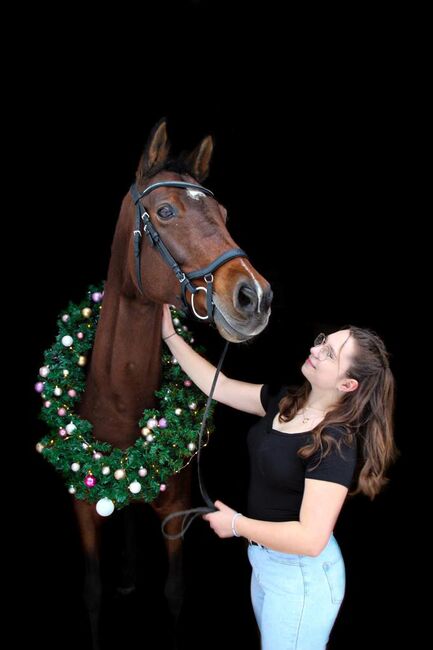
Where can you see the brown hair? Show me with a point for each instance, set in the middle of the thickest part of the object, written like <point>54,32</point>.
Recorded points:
<point>365,413</point>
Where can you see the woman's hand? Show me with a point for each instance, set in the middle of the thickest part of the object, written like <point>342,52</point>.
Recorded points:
<point>167,323</point>
<point>221,521</point>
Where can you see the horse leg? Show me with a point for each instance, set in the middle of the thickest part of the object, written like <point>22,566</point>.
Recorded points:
<point>177,497</point>
<point>128,567</point>
<point>89,524</point>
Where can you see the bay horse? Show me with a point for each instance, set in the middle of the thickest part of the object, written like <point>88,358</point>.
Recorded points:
<point>171,245</point>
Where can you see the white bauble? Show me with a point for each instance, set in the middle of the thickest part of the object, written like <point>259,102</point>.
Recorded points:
<point>119,474</point>
<point>70,428</point>
<point>134,487</point>
<point>105,507</point>
<point>67,340</point>
<point>75,467</point>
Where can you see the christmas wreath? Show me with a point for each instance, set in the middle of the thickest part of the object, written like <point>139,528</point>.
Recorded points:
<point>96,471</point>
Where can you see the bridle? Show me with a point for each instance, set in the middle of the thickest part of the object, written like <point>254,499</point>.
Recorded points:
<point>142,217</point>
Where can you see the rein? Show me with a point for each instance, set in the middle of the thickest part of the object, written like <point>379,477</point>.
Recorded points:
<point>188,516</point>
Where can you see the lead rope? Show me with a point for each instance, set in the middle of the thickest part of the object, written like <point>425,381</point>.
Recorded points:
<point>190,515</point>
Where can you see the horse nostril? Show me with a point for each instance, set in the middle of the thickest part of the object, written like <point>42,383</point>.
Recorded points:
<point>246,298</point>
<point>267,299</point>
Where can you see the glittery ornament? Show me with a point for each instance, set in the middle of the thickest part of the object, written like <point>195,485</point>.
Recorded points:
<point>90,481</point>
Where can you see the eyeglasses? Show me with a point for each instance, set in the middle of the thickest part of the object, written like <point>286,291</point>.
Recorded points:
<point>325,351</point>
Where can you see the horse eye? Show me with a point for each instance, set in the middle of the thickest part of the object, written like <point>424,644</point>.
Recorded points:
<point>166,211</point>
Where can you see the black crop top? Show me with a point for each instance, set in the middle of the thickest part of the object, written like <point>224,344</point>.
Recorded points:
<point>278,473</point>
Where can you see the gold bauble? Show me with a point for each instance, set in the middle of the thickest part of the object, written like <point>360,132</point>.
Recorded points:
<point>82,360</point>
<point>87,312</point>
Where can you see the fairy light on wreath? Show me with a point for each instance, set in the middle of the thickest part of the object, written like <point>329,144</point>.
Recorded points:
<point>96,471</point>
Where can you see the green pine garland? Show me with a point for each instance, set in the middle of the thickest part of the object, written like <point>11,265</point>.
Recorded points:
<point>168,441</point>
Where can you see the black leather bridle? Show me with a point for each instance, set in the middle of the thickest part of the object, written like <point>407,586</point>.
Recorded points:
<point>142,218</point>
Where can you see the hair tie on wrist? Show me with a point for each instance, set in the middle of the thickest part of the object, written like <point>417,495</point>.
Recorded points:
<point>235,516</point>
<point>167,337</point>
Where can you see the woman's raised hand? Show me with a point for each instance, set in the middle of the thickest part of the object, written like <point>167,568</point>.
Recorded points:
<point>167,328</point>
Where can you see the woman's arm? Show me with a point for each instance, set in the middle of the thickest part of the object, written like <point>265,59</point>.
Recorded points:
<point>321,505</point>
<point>240,395</point>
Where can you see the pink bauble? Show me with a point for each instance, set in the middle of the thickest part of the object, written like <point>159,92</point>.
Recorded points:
<point>61,411</point>
<point>39,386</point>
<point>80,335</point>
<point>72,392</point>
<point>162,423</point>
<point>63,432</point>
<point>90,481</point>
<point>162,487</point>
<point>187,383</point>
<point>47,404</point>
<point>96,296</point>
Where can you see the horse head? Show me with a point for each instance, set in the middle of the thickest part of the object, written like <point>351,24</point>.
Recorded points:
<point>183,253</point>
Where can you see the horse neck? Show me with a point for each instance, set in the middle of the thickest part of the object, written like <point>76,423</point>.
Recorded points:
<point>125,367</point>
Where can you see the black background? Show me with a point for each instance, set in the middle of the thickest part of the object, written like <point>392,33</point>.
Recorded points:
<point>312,160</point>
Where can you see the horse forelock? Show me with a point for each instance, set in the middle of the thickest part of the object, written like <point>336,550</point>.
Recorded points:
<point>176,165</point>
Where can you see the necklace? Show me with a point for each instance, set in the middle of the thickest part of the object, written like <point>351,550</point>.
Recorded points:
<point>305,417</point>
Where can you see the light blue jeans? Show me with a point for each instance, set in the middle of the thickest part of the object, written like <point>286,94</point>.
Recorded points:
<point>296,598</point>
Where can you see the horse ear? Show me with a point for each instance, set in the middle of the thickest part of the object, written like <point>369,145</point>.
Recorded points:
<point>156,150</point>
<point>199,159</point>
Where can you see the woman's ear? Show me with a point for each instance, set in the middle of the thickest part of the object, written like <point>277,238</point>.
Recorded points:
<point>348,385</point>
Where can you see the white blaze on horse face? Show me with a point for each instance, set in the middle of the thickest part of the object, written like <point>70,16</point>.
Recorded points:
<point>195,194</point>
<point>257,285</point>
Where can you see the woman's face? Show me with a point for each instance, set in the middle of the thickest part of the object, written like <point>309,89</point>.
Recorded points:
<point>328,362</point>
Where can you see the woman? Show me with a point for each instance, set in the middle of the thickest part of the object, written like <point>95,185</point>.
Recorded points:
<point>310,446</point>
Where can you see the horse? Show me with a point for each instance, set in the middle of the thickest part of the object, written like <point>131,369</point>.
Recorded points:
<point>171,245</point>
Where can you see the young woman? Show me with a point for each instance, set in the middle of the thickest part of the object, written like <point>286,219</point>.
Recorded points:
<point>309,447</point>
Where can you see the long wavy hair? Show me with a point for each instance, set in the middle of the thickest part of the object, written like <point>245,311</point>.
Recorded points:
<point>365,414</point>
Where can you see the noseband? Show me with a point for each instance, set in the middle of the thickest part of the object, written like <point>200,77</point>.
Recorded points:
<point>142,218</point>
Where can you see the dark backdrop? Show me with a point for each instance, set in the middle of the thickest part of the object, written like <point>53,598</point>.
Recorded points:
<point>311,162</point>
